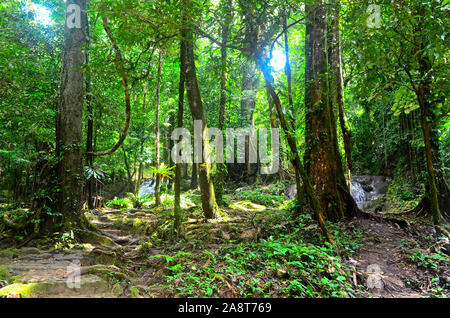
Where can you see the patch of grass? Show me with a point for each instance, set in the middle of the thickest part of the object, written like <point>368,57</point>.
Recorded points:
<point>261,197</point>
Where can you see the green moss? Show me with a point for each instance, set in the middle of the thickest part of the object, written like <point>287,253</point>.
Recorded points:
<point>24,290</point>
<point>247,206</point>
<point>5,274</point>
<point>9,253</point>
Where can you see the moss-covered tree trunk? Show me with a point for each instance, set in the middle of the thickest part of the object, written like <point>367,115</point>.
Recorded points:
<point>336,85</point>
<point>219,179</point>
<point>209,204</point>
<point>181,87</point>
<point>322,159</point>
<point>300,171</point>
<point>157,138</point>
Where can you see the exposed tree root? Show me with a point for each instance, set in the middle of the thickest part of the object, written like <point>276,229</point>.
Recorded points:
<point>96,238</point>
<point>443,230</point>
<point>109,271</point>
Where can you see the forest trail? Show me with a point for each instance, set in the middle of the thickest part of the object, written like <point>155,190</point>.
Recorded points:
<point>68,272</point>
<point>383,262</point>
<point>383,268</point>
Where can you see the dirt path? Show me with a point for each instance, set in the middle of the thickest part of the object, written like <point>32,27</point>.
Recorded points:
<point>381,264</point>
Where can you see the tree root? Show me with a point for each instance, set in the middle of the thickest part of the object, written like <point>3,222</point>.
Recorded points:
<point>381,218</point>
<point>443,230</point>
<point>107,271</point>
<point>95,238</point>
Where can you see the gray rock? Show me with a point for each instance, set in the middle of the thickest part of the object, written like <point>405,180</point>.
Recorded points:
<point>30,250</point>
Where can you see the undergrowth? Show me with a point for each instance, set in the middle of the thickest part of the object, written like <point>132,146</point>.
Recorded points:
<point>288,263</point>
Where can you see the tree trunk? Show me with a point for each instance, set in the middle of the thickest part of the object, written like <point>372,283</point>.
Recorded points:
<point>442,188</point>
<point>423,93</point>
<point>431,178</point>
<point>141,165</point>
<point>157,138</point>
<point>177,184</point>
<point>221,167</point>
<point>336,64</point>
<point>194,176</point>
<point>210,208</point>
<point>274,124</point>
<point>321,157</point>
<point>69,127</point>
<point>90,125</point>
<point>250,83</point>
<point>300,172</point>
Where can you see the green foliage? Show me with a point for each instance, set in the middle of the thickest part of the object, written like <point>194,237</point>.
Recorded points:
<point>137,200</point>
<point>163,170</point>
<point>5,275</point>
<point>306,271</point>
<point>119,203</point>
<point>284,264</point>
<point>433,261</point>
<point>267,196</point>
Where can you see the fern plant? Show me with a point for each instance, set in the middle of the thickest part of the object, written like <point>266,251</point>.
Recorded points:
<point>138,200</point>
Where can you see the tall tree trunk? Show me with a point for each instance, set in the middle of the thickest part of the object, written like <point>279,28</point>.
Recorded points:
<point>320,144</point>
<point>141,164</point>
<point>157,139</point>
<point>250,83</point>
<point>127,168</point>
<point>90,122</point>
<point>69,127</point>
<point>221,167</point>
<point>177,184</point>
<point>300,172</point>
<point>336,65</point>
<point>423,93</point>
<point>274,124</point>
<point>431,178</point>
<point>442,188</point>
<point>287,65</point>
<point>209,204</point>
<point>194,176</point>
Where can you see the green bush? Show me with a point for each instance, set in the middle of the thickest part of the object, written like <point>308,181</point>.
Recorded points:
<point>119,203</point>
<point>256,196</point>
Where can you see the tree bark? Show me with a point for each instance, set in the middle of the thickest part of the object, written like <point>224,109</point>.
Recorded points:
<point>90,122</point>
<point>301,174</point>
<point>336,65</point>
<point>181,88</point>
<point>209,204</point>
<point>157,138</point>
<point>221,167</point>
<point>69,126</point>
<point>321,157</point>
